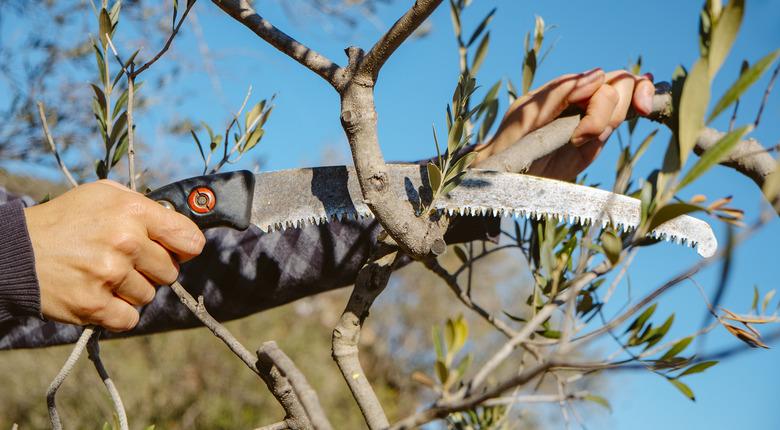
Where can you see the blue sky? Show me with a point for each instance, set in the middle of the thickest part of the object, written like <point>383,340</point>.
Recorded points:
<point>413,89</point>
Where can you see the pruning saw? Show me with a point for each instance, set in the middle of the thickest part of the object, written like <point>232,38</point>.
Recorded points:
<point>294,198</point>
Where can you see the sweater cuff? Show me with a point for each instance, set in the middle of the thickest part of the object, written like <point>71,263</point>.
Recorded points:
<point>19,291</point>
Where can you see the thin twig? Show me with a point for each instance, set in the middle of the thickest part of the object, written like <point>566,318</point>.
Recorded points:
<point>452,283</point>
<point>281,425</point>
<point>443,409</point>
<point>766,95</point>
<point>53,147</point>
<point>620,275</point>
<point>93,350</point>
<point>227,154</point>
<point>501,355</point>
<point>51,392</point>
<point>190,4</point>
<point>535,398</point>
<point>131,128</point>
<point>199,310</point>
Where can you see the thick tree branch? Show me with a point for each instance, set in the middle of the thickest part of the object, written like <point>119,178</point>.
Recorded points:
<point>553,136</point>
<point>749,157</point>
<point>372,63</point>
<point>272,357</point>
<point>417,236</point>
<point>242,11</point>
<point>371,281</point>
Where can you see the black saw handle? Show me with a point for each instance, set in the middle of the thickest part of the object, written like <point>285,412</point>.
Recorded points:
<point>220,200</point>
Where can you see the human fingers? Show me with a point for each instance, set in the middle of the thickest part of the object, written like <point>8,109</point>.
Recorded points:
<point>623,83</point>
<point>136,289</point>
<point>171,229</point>
<point>117,315</point>
<point>598,113</point>
<point>644,90</point>
<point>542,106</point>
<point>155,262</point>
<point>550,100</point>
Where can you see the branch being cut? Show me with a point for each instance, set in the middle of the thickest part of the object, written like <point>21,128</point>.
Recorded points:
<point>749,157</point>
<point>371,281</point>
<point>242,11</point>
<point>555,135</point>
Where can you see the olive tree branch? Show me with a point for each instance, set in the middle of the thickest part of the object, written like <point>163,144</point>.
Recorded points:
<point>270,355</point>
<point>417,236</point>
<point>273,378</point>
<point>281,425</point>
<point>242,11</point>
<point>748,157</point>
<point>53,147</point>
<point>51,392</point>
<point>452,283</point>
<point>93,349</point>
<point>371,281</point>
<point>373,61</point>
<point>161,52</point>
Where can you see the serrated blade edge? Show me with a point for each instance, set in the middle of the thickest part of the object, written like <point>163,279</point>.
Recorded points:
<point>297,197</point>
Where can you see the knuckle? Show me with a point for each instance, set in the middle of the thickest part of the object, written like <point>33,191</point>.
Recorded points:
<point>610,93</point>
<point>110,271</point>
<point>127,243</point>
<point>90,309</point>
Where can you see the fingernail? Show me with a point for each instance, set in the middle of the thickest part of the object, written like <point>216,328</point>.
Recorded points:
<point>605,134</point>
<point>650,76</point>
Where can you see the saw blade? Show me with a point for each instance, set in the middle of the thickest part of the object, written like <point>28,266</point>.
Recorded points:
<point>297,197</point>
